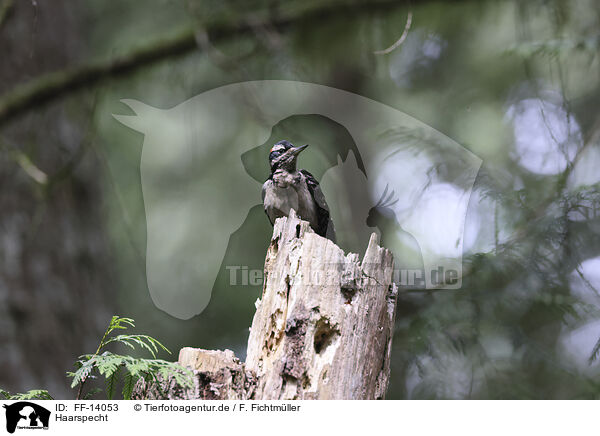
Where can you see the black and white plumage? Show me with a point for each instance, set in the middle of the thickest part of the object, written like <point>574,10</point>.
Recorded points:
<point>288,188</point>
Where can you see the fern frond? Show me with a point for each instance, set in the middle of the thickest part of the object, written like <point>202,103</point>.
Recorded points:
<point>91,393</point>
<point>130,381</point>
<point>137,366</point>
<point>118,323</point>
<point>111,383</point>
<point>35,394</point>
<point>143,341</point>
<point>108,363</point>
<point>184,377</point>
<point>83,372</point>
<point>595,352</point>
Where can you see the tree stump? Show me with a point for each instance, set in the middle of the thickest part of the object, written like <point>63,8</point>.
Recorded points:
<point>322,329</point>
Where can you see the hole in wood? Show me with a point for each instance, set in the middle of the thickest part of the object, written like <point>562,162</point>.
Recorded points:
<point>348,293</point>
<point>325,333</point>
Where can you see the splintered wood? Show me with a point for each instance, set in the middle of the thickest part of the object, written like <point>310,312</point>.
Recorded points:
<point>322,329</point>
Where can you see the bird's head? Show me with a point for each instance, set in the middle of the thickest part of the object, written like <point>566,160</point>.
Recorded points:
<point>284,155</point>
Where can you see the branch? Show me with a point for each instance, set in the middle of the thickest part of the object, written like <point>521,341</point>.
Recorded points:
<point>395,45</point>
<point>54,85</point>
<point>50,86</point>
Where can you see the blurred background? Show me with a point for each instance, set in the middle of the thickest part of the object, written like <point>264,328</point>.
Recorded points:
<point>516,83</point>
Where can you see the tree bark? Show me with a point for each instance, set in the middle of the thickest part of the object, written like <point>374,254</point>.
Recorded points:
<point>51,86</point>
<point>322,329</point>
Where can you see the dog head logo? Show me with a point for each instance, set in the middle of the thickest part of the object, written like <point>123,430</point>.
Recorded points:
<point>26,415</point>
<point>197,193</point>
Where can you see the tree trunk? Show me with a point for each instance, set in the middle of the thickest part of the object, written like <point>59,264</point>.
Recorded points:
<point>322,329</point>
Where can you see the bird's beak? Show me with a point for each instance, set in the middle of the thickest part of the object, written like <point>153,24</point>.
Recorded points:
<point>296,150</point>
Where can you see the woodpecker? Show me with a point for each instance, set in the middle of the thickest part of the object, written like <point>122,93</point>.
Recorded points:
<point>288,188</point>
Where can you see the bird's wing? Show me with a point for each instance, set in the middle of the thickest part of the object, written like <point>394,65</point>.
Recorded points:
<point>266,186</point>
<point>325,224</point>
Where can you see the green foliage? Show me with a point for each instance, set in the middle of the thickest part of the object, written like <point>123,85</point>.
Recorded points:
<point>462,66</point>
<point>500,335</point>
<point>35,394</point>
<point>116,368</point>
<point>556,47</point>
<point>595,352</point>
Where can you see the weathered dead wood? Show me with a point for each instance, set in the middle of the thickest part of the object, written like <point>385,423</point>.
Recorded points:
<point>322,329</point>
<point>218,375</point>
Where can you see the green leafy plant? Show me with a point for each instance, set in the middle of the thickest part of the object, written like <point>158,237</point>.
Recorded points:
<point>115,367</point>
<point>35,394</point>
